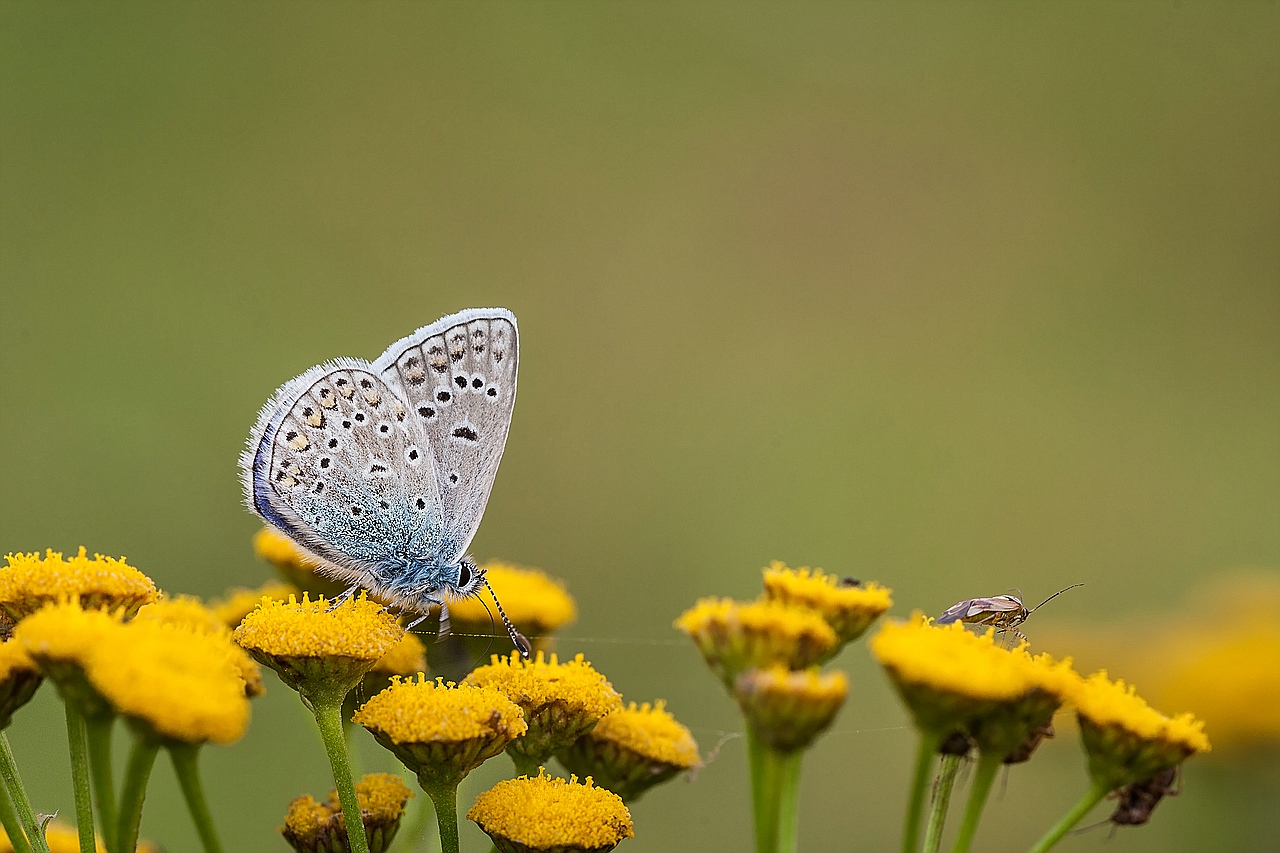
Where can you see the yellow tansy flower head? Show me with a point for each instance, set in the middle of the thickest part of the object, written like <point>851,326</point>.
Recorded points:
<point>240,602</point>
<point>541,814</point>
<point>632,749</point>
<point>29,582</point>
<point>441,732</point>
<point>561,701</point>
<point>946,674</point>
<point>734,637</point>
<point>849,608</point>
<point>1015,728</point>
<point>188,611</point>
<point>61,638</point>
<point>183,684</point>
<point>535,602</point>
<point>312,827</point>
<point>296,568</point>
<point>19,679</point>
<point>786,709</point>
<point>317,649</point>
<point>1126,739</point>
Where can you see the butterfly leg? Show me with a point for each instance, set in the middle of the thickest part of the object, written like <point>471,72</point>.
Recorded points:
<point>350,591</point>
<point>443,630</point>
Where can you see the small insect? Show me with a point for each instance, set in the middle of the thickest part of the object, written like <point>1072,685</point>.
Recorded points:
<point>381,470</point>
<point>1002,612</point>
<point>1139,800</point>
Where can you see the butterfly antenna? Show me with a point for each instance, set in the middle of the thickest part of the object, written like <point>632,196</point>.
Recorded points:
<point>517,638</point>
<point>1052,597</point>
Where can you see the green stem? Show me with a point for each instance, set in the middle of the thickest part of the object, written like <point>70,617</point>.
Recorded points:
<point>789,803</point>
<point>12,826</point>
<point>928,751</point>
<point>104,787</point>
<point>988,764</point>
<point>186,765</point>
<point>445,798</point>
<point>1090,799</point>
<point>141,759</point>
<point>9,771</point>
<point>775,787</point>
<point>329,718</point>
<point>945,781</point>
<point>78,741</point>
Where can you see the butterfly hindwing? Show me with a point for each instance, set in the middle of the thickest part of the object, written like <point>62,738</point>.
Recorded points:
<point>458,377</point>
<point>340,466</point>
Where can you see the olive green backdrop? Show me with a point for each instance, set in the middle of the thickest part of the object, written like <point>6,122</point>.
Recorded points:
<point>961,298</point>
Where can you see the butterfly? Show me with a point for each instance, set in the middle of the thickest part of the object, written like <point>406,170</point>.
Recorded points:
<point>381,470</point>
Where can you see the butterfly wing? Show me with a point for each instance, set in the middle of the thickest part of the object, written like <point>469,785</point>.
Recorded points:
<point>458,377</point>
<point>338,464</point>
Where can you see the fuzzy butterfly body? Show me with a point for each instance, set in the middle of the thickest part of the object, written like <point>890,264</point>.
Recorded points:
<point>381,470</point>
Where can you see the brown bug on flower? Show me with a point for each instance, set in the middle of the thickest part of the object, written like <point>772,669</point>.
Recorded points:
<point>1002,612</point>
<point>1139,800</point>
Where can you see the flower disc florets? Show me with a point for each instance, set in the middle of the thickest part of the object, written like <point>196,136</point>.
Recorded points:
<point>544,815</point>
<point>786,709</point>
<point>632,749</point>
<point>441,732</point>
<point>312,827</point>
<point>733,636</point>
<point>28,582</point>
<point>561,701</point>
<point>849,608</point>
<point>319,650</point>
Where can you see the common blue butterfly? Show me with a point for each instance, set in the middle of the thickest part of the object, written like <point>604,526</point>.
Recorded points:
<point>381,471</point>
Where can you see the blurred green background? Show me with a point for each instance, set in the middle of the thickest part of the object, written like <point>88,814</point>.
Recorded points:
<point>960,298</point>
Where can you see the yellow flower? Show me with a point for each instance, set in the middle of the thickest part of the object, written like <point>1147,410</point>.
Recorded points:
<point>184,684</point>
<point>295,567</point>
<point>541,814</point>
<point>441,732</point>
<point>188,611</point>
<point>535,602</point>
<point>561,701</point>
<point>240,602</point>
<point>1126,739</point>
<point>29,581</point>
<point>318,649</point>
<point>19,679</point>
<point>407,657</point>
<point>632,749</point>
<point>733,636</point>
<point>849,608</point>
<point>311,827</point>
<point>786,709</point>
<point>61,638</point>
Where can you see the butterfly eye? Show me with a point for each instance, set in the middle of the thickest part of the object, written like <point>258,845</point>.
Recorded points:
<point>464,575</point>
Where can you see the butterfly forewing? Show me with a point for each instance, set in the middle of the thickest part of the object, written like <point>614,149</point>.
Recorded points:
<point>347,461</point>
<point>458,377</point>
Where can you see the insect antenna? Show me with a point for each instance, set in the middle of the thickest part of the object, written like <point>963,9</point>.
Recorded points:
<point>1052,597</point>
<point>517,638</point>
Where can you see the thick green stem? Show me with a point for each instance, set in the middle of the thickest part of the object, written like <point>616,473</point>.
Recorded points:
<point>18,793</point>
<point>1090,799</point>
<point>988,764</point>
<point>775,786</point>
<point>104,786</point>
<point>141,760</point>
<point>329,718</point>
<point>928,751</point>
<point>789,803</point>
<point>186,765</point>
<point>12,826</point>
<point>945,781</point>
<point>78,741</point>
<point>445,799</point>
